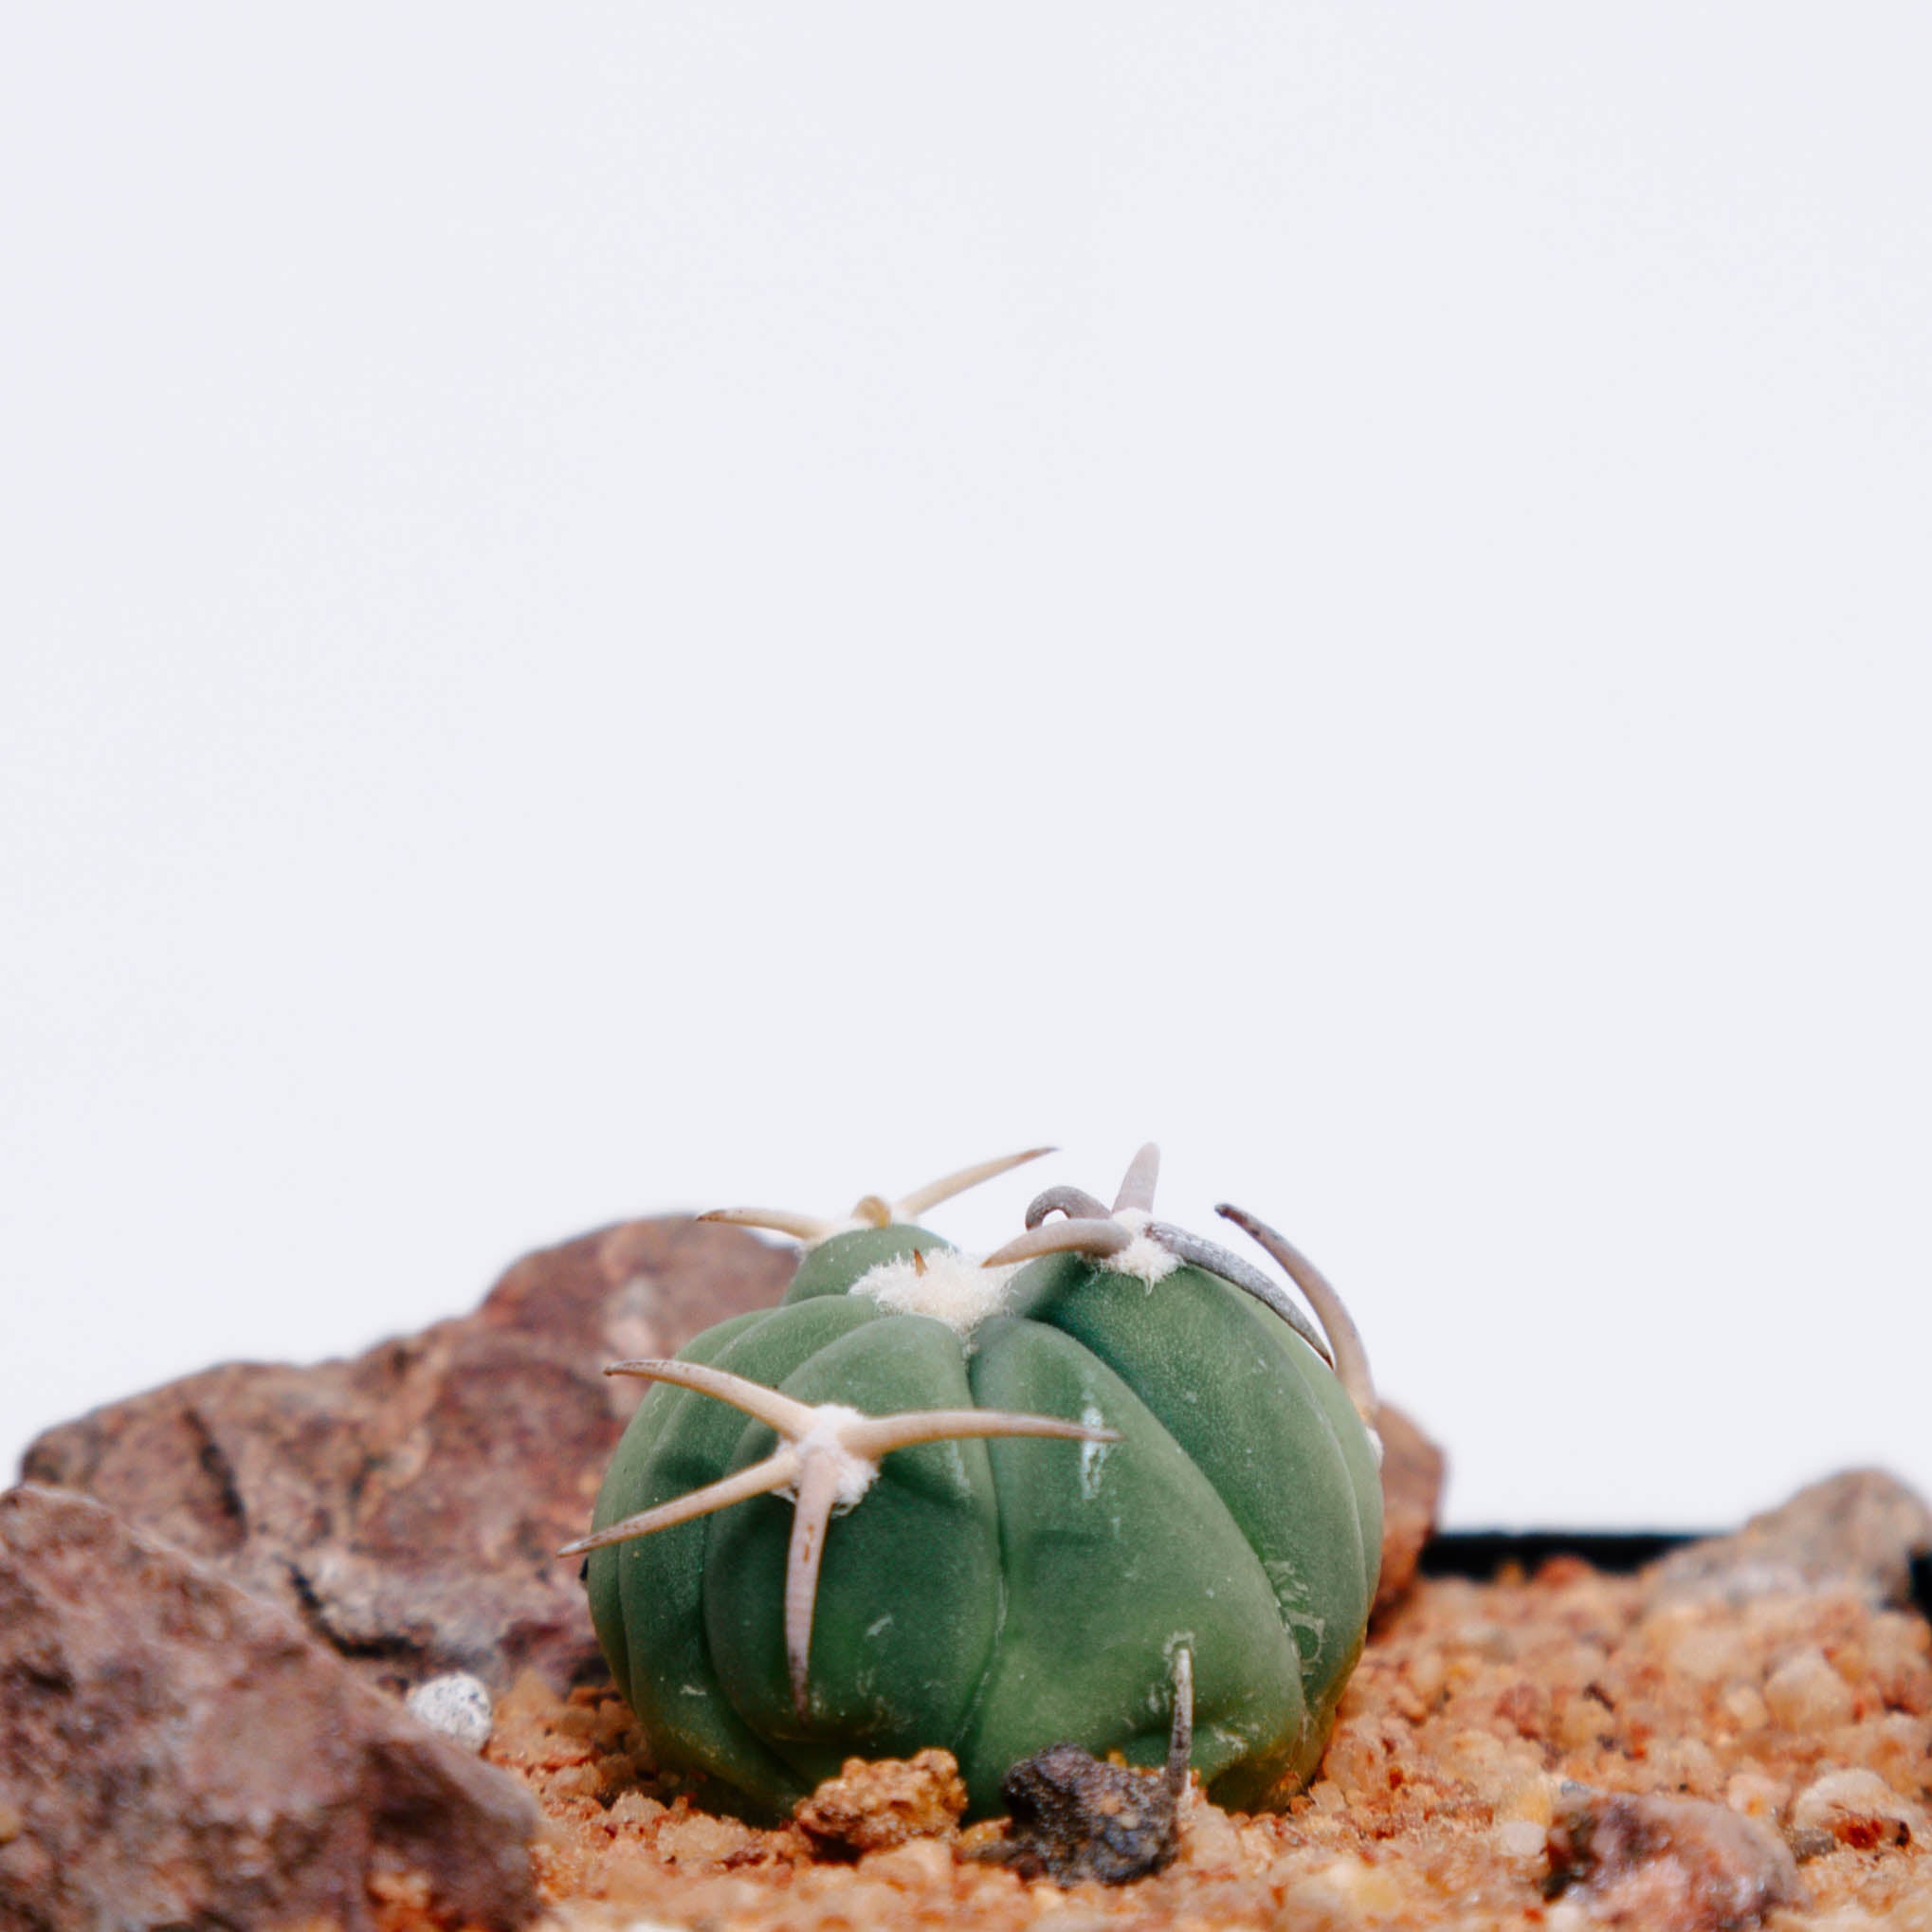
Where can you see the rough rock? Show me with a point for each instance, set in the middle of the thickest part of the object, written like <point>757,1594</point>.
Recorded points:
<point>1413,1471</point>
<point>1076,1817</point>
<point>870,1806</point>
<point>407,1505</point>
<point>1859,1530</point>
<point>175,1751</point>
<point>1857,1808</point>
<point>1668,1865</point>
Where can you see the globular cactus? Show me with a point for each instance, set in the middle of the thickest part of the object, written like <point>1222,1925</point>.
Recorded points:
<point>931,1501</point>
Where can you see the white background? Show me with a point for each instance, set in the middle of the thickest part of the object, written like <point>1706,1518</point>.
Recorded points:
<point>610,607</point>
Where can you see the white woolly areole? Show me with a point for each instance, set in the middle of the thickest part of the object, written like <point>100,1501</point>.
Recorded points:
<point>1144,1257</point>
<point>953,1288</point>
<point>825,1437</point>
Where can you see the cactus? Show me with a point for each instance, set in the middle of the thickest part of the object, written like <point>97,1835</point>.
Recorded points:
<point>933,1501</point>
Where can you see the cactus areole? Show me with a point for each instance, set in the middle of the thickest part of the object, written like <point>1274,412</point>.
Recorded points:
<point>928,1500</point>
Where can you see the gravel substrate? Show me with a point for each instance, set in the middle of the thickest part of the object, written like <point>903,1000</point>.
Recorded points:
<point>1478,1778</point>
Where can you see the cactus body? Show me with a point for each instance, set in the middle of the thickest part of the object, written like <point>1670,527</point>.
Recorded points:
<point>999,1596</point>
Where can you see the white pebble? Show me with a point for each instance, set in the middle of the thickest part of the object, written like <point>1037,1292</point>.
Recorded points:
<point>458,1705</point>
<point>1520,1838</point>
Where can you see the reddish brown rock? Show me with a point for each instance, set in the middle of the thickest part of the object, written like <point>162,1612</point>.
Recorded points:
<point>1413,1471</point>
<point>869,1807</point>
<point>407,1505</point>
<point>175,1751</point>
<point>1668,1864</point>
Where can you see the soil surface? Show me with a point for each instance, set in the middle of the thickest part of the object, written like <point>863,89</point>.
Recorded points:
<point>1478,1778</point>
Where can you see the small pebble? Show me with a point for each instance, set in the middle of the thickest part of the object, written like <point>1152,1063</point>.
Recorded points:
<point>1531,1800</point>
<point>458,1705</point>
<point>1755,1796</point>
<point>1857,1807</point>
<point>869,1807</point>
<point>1520,1838</point>
<point>1745,1709</point>
<point>697,1838</point>
<point>1804,1693</point>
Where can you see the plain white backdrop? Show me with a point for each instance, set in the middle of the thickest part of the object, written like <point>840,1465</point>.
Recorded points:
<point>613,607</point>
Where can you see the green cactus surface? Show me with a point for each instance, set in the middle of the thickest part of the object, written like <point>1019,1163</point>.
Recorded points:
<point>963,1579</point>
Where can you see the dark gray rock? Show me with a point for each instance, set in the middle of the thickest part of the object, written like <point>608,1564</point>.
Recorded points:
<point>1076,1817</point>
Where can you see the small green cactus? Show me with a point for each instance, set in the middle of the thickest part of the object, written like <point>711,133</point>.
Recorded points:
<point>933,1501</point>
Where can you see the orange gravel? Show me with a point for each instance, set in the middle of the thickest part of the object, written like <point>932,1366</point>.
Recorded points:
<point>1472,1707</point>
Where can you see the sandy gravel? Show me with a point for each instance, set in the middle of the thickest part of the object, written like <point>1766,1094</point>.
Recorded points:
<point>1477,1714</point>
